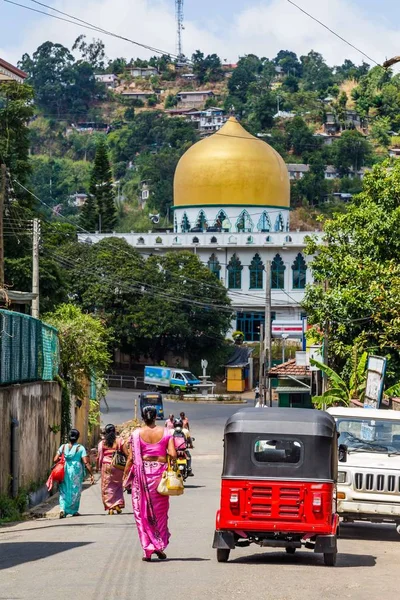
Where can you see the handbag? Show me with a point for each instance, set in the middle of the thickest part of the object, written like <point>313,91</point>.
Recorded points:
<point>118,460</point>
<point>58,471</point>
<point>171,483</point>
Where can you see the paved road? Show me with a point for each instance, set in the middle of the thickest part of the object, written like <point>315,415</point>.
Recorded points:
<point>97,556</point>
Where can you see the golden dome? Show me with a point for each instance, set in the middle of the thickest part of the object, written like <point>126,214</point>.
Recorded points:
<point>231,167</point>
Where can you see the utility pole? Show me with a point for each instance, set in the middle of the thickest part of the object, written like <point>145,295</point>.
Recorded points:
<point>267,336</point>
<point>261,368</point>
<point>35,268</point>
<point>3,179</point>
<point>325,347</point>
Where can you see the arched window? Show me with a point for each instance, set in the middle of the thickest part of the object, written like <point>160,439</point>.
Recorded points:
<point>175,224</point>
<point>177,240</point>
<point>279,223</point>
<point>277,273</point>
<point>213,240</point>
<point>232,239</point>
<point>288,239</point>
<point>299,268</point>
<point>222,221</point>
<point>214,266</point>
<point>268,239</point>
<point>185,223</point>
<point>140,240</point>
<point>234,273</point>
<point>256,273</point>
<point>158,240</point>
<point>249,239</point>
<point>195,240</point>
<point>244,223</point>
<point>264,223</point>
<point>201,221</point>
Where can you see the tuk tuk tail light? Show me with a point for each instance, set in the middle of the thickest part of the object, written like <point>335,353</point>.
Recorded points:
<point>317,503</point>
<point>234,501</point>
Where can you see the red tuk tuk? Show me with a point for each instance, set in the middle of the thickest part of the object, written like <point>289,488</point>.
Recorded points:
<point>279,482</point>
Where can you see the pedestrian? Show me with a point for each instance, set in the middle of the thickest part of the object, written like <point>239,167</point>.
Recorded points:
<point>169,423</point>
<point>147,460</point>
<point>76,461</point>
<point>185,420</point>
<point>109,449</point>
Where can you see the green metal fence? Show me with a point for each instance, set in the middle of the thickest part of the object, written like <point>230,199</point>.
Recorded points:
<point>29,349</point>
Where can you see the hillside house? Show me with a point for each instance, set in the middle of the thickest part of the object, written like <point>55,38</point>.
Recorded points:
<point>207,121</point>
<point>297,171</point>
<point>137,95</point>
<point>394,152</point>
<point>142,72</point>
<point>195,99</point>
<point>332,125</point>
<point>78,200</point>
<point>109,79</point>
<point>10,73</point>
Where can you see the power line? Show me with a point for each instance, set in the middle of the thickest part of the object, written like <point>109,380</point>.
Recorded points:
<point>333,32</point>
<point>86,25</point>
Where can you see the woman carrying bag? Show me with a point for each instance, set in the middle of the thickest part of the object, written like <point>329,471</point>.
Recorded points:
<point>76,461</point>
<point>150,447</point>
<point>111,460</point>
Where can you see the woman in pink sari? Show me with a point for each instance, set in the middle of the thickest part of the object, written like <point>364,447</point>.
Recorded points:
<point>112,491</point>
<point>147,461</point>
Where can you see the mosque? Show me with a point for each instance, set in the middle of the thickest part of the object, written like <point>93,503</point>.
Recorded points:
<point>232,209</point>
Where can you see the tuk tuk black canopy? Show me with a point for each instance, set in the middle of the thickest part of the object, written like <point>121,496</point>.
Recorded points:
<point>280,443</point>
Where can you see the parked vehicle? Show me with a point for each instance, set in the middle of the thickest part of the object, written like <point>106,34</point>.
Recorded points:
<point>369,481</point>
<point>165,378</point>
<point>152,399</point>
<point>279,482</point>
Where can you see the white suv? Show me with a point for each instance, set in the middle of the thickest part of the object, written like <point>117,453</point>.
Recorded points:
<point>369,480</point>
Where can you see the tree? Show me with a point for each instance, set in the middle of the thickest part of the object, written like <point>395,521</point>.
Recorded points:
<point>289,62</point>
<point>300,138</point>
<point>351,152</point>
<point>317,76</point>
<point>15,111</point>
<point>93,53</point>
<point>340,391</point>
<point>207,68</point>
<point>89,217</point>
<point>165,303</point>
<point>101,190</point>
<point>84,353</point>
<point>357,274</point>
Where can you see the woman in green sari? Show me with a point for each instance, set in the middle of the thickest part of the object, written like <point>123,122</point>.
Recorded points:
<point>75,462</point>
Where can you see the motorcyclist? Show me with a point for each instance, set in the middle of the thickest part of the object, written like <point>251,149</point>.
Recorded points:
<point>183,442</point>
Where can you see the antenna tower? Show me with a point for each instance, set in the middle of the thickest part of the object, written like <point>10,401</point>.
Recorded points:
<point>179,27</point>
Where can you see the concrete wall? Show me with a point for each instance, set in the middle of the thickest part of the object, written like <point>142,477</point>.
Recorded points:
<point>37,407</point>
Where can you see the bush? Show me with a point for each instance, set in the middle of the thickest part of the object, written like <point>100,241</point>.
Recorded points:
<point>11,509</point>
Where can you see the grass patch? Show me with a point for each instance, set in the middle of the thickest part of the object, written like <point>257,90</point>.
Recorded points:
<point>11,509</point>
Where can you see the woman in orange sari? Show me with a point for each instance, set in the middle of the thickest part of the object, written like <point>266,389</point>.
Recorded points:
<point>111,478</point>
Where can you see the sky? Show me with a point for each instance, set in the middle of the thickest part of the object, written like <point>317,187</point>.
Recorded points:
<point>231,28</point>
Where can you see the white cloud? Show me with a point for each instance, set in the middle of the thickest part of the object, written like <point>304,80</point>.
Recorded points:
<point>263,29</point>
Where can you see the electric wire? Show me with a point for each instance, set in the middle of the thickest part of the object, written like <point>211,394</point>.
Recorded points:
<point>333,32</point>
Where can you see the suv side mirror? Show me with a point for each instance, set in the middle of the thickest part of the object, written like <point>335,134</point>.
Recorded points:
<point>342,453</point>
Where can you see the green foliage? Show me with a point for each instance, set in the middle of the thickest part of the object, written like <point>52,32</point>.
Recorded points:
<point>358,263</point>
<point>207,68</point>
<point>12,509</point>
<point>170,101</point>
<point>317,76</point>
<point>340,392</point>
<point>351,152</point>
<point>15,111</point>
<point>55,180</point>
<point>99,209</point>
<point>144,301</point>
<point>84,343</point>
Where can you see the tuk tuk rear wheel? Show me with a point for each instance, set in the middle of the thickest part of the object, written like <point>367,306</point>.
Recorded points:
<point>223,555</point>
<point>330,559</point>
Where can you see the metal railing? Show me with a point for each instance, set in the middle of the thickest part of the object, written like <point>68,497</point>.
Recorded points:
<point>125,382</point>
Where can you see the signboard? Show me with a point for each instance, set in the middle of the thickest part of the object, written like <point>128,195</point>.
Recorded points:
<point>375,378</point>
<point>157,375</point>
<point>293,329</point>
<point>315,353</point>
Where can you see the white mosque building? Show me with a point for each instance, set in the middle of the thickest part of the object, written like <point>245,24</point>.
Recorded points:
<point>232,208</point>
